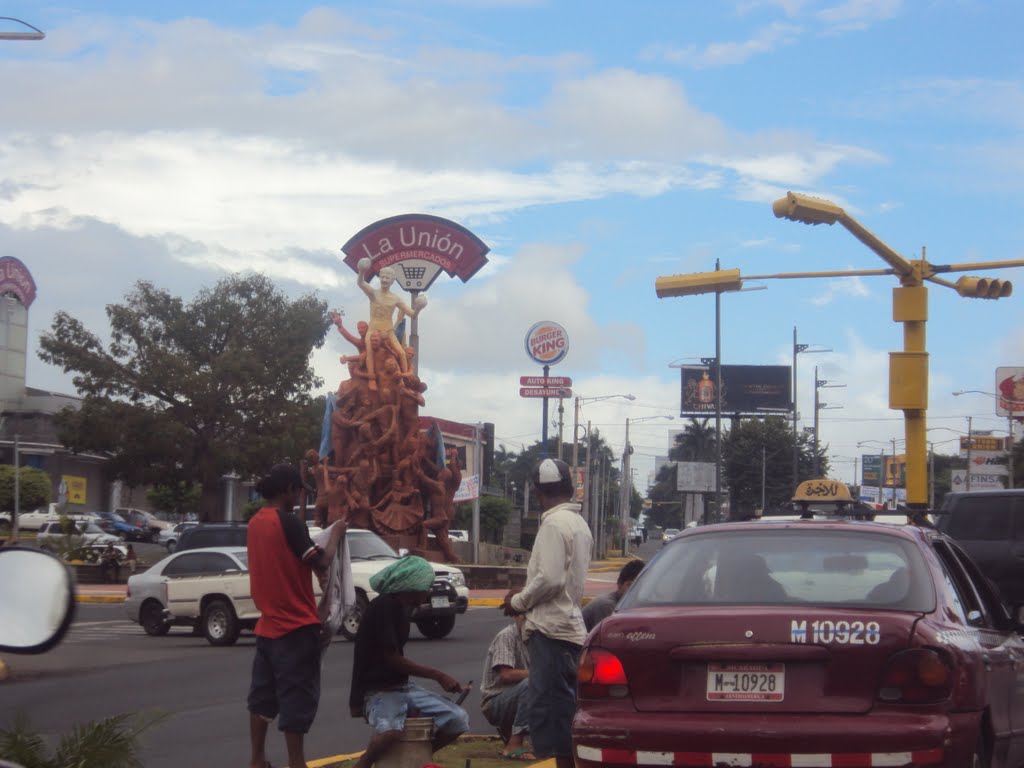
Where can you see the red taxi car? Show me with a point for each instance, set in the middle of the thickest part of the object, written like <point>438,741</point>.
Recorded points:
<point>804,643</point>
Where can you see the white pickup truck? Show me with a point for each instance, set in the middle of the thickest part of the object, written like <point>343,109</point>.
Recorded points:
<point>220,605</point>
<point>36,519</point>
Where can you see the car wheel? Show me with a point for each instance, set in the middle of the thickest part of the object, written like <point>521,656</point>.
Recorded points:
<point>154,537</point>
<point>350,625</point>
<point>220,625</point>
<point>171,546</point>
<point>151,617</point>
<point>436,627</point>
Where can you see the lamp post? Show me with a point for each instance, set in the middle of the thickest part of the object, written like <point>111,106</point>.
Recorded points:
<point>818,407</point>
<point>577,402</point>
<point>627,480</point>
<point>1011,407</point>
<point>908,370</point>
<point>799,349</point>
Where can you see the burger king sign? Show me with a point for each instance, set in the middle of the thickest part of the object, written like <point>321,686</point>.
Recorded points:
<point>547,343</point>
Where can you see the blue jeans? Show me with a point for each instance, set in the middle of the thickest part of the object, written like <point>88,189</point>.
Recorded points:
<point>553,691</point>
<point>387,710</point>
<point>509,711</point>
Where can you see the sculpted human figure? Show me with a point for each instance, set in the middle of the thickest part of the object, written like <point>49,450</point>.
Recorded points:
<point>312,472</point>
<point>383,304</point>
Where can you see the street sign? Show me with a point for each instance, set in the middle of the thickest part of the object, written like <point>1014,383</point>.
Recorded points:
<point>695,476</point>
<point>545,381</point>
<point>984,444</point>
<point>547,343</point>
<point>545,392</point>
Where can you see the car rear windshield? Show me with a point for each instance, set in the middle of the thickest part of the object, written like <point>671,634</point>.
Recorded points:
<point>833,568</point>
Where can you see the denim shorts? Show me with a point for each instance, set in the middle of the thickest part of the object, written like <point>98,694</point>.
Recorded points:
<point>286,679</point>
<point>387,710</point>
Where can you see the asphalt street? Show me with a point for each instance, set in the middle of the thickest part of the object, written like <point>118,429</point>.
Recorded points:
<point>107,666</point>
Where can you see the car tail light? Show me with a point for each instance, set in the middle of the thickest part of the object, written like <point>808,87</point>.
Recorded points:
<point>600,675</point>
<point>917,676</point>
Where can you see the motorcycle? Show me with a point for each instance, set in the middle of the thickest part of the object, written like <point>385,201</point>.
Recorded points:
<point>37,613</point>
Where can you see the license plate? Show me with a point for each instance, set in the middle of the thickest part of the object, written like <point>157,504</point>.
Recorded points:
<point>746,682</point>
<point>439,601</point>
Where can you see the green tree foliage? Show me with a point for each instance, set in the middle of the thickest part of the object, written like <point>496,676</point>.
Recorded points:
<point>494,515</point>
<point>34,487</point>
<point>176,500</point>
<point>187,392</point>
<point>666,503</point>
<point>752,442</point>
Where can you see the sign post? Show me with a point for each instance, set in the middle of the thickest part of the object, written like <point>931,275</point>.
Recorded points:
<point>547,344</point>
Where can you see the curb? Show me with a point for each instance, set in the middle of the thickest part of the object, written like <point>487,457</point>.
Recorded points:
<point>80,598</point>
<point>326,762</point>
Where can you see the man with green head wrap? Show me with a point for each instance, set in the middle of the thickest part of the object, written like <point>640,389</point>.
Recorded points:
<point>381,690</point>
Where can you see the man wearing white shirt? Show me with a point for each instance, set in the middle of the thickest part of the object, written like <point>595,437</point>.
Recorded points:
<point>554,629</point>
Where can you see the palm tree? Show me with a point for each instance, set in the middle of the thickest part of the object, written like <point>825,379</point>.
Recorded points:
<point>109,743</point>
<point>695,443</point>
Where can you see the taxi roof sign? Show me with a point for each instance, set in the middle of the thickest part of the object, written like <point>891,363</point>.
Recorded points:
<point>823,489</point>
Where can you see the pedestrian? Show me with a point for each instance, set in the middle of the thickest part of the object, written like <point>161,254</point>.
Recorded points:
<point>130,559</point>
<point>554,628</point>
<point>286,669</point>
<point>505,688</point>
<point>110,566</point>
<point>381,691</point>
<point>601,607</point>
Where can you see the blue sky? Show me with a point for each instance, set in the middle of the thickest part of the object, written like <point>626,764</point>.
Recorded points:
<point>594,146</point>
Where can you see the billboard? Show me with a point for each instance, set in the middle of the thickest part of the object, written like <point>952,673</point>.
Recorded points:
<point>695,476</point>
<point>746,389</point>
<point>1010,386</point>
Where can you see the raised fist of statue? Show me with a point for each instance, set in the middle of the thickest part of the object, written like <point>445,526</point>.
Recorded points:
<point>363,265</point>
<point>420,301</point>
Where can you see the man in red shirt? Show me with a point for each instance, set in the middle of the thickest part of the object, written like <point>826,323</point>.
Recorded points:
<point>286,670</point>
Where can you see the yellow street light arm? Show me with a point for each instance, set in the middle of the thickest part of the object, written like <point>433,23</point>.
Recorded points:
<point>815,210</point>
<point>834,273</point>
<point>976,265</point>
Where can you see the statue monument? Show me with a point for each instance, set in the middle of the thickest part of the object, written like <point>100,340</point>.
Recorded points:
<point>382,471</point>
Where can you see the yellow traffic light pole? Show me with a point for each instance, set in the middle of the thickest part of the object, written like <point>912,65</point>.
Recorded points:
<point>908,370</point>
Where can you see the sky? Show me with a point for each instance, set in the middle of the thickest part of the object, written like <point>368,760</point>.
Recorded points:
<point>594,146</point>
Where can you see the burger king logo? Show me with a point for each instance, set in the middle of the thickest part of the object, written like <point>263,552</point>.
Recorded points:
<point>547,343</point>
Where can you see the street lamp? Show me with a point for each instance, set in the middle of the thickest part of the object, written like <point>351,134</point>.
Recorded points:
<point>819,406</point>
<point>908,370</point>
<point>1011,407</point>
<point>799,349</point>
<point>578,401</point>
<point>34,33</point>
<point>627,479</point>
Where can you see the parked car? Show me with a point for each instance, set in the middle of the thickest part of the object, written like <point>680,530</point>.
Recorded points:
<point>144,519</point>
<point>146,599</point>
<point>34,520</point>
<point>52,536</point>
<point>113,523</point>
<point>668,535</point>
<point>989,525</point>
<point>212,535</point>
<point>169,537</point>
<point>811,643</point>
<point>458,535</point>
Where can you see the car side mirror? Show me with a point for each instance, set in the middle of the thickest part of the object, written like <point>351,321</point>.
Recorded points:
<point>402,552</point>
<point>1017,616</point>
<point>37,600</point>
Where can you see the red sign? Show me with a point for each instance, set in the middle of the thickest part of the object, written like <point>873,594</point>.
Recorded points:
<point>545,381</point>
<point>545,392</point>
<point>420,238</point>
<point>15,278</point>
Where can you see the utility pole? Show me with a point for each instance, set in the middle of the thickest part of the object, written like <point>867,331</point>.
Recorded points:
<point>970,444</point>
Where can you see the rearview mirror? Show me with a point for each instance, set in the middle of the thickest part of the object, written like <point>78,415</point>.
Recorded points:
<point>37,600</point>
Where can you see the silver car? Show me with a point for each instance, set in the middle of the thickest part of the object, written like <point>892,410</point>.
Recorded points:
<point>147,593</point>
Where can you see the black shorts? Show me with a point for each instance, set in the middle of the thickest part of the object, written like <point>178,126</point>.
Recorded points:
<point>286,679</point>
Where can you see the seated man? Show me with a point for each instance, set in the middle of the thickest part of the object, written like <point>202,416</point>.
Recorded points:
<point>601,607</point>
<point>506,689</point>
<point>381,691</point>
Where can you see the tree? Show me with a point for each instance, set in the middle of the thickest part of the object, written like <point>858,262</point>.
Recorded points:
<point>175,500</point>
<point>695,443</point>
<point>752,443</point>
<point>34,487</point>
<point>185,393</point>
<point>111,743</point>
<point>494,514</point>
<point>666,508</point>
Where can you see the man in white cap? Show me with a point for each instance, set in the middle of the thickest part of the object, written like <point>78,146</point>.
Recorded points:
<point>554,628</point>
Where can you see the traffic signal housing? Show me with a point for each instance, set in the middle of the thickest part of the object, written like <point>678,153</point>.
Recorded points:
<point>983,288</point>
<point>719,281</point>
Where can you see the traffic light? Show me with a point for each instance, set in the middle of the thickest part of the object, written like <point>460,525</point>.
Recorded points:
<point>983,288</point>
<point>719,281</point>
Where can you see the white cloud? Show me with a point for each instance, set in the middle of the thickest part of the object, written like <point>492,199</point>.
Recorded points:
<point>765,40</point>
<point>856,15</point>
<point>842,286</point>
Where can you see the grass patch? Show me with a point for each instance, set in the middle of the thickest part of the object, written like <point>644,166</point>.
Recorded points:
<point>480,751</point>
